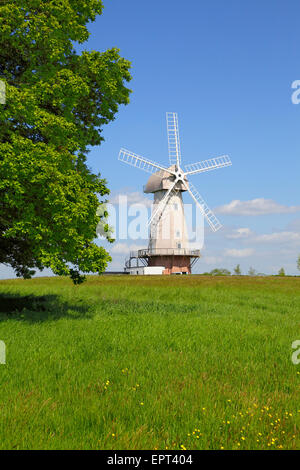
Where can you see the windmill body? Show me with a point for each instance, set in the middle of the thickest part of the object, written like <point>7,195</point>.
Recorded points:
<point>168,240</point>
<point>168,237</point>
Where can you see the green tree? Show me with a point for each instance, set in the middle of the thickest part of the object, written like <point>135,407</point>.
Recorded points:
<point>298,263</point>
<point>220,272</point>
<point>237,270</point>
<point>57,102</point>
<point>281,272</point>
<point>252,272</point>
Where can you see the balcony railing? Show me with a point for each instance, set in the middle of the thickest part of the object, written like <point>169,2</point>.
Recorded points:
<point>146,253</point>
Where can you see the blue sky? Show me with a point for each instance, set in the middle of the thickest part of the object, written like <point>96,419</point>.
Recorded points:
<point>226,68</point>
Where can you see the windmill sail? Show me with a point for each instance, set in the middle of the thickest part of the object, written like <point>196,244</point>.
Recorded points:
<point>173,139</point>
<point>207,165</point>
<point>140,162</point>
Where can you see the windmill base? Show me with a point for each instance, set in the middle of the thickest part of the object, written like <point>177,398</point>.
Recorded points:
<point>172,264</point>
<point>162,262</point>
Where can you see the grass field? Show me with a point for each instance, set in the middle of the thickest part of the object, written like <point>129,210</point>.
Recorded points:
<point>150,363</point>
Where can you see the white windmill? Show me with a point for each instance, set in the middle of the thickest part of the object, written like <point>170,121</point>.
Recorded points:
<point>167,184</point>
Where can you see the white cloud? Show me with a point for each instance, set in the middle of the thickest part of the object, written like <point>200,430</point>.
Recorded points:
<point>239,253</point>
<point>294,225</point>
<point>240,233</point>
<point>211,260</point>
<point>259,206</point>
<point>123,248</point>
<point>278,237</point>
<point>130,197</point>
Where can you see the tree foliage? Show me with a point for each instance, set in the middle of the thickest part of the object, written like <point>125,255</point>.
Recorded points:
<point>218,272</point>
<point>56,105</point>
<point>237,270</point>
<point>252,271</point>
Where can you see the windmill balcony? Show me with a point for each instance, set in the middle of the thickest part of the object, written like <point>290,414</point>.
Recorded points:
<point>146,253</point>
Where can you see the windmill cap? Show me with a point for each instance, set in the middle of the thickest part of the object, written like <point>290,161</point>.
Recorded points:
<point>162,180</point>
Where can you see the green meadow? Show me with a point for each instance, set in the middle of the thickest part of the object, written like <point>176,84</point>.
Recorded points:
<point>131,362</point>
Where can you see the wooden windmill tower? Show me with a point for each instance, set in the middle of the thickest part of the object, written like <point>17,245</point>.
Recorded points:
<point>168,241</point>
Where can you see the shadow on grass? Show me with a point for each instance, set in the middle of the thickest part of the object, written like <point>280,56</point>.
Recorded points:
<point>52,307</point>
<point>33,308</point>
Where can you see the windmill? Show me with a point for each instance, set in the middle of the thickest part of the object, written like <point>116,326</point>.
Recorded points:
<point>167,184</point>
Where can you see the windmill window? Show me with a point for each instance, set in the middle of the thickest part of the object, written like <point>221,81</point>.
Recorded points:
<point>178,245</point>
<point>177,233</point>
<point>176,207</point>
